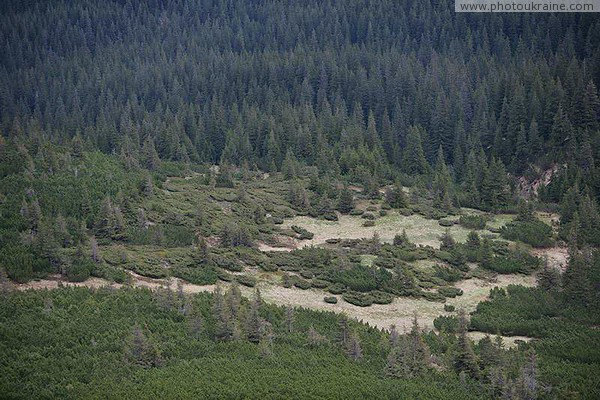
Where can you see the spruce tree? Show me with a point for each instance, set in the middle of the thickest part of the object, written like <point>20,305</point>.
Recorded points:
<point>345,201</point>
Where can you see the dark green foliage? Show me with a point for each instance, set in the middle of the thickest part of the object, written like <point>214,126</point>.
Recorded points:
<point>448,291</point>
<point>567,337</point>
<point>395,197</point>
<point>303,234</point>
<point>446,222</point>
<point>449,308</point>
<point>80,268</point>
<point>205,275</point>
<point>533,232</point>
<point>447,274</point>
<point>472,221</point>
<point>18,262</point>
<point>518,261</point>
<point>446,324</point>
<point>345,201</point>
<point>330,299</point>
<point>358,298</point>
<point>246,280</point>
<point>140,344</point>
<point>302,283</point>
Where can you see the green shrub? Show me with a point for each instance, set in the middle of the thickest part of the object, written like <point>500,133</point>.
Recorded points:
<point>337,288</point>
<point>227,263</point>
<point>535,233</point>
<point>330,299</point>
<point>332,216</point>
<point>246,280</point>
<point>110,273</point>
<point>446,222</point>
<point>80,269</point>
<point>198,276</point>
<point>303,234</point>
<point>516,262</point>
<point>383,213</point>
<point>357,212</point>
<point>449,291</point>
<point>381,297</point>
<point>447,274</point>
<point>433,296</point>
<point>472,221</point>
<point>367,224</point>
<point>149,270</point>
<point>449,308</point>
<point>369,216</point>
<point>447,324</point>
<point>277,220</point>
<point>224,276</point>
<point>319,283</point>
<point>307,274</point>
<point>358,299</point>
<point>18,262</point>
<point>302,283</point>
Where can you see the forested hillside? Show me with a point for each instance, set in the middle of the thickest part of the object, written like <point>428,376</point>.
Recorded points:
<point>365,88</point>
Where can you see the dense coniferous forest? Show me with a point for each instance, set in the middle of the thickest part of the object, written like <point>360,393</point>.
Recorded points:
<point>396,150</point>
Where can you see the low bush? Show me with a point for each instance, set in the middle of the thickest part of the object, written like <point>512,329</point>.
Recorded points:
<point>198,276</point>
<point>358,299</point>
<point>302,283</point>
<point>446,222</point>
<point>80,269</point>
<point>337,288</point>
<point>449,308</point>
<point>246,280</point>
<point>303,234</point>
<point>447,324</point>
<point>472,221</point>
<point>535,233</point>
<point>433,296</point>
<point>330,299</point>
<point>449,291</point>
<point>319,283</point>
<point>381,297</point>
<point>367,224</point>
<point>224,276</point>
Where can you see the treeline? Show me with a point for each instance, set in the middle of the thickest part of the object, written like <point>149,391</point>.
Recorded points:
<point>364,88</point>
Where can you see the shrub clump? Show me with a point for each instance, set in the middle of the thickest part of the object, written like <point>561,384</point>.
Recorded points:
<point>472,221</point>
<point>246,280</point>
<point>358,299</point>
<point>449,291</point>
<point>303,234</point>
<point>447,324</point>
<point>330,299</point>
<point>535,233</point>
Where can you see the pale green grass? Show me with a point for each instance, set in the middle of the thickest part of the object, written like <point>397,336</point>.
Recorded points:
<point>419,229</point>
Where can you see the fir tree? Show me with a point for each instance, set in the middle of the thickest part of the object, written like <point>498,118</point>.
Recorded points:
<point>345,201</point>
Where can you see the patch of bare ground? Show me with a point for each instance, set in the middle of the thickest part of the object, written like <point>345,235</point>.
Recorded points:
<point>419,229</point>
<point>280,243</point>
<point>557,256</point>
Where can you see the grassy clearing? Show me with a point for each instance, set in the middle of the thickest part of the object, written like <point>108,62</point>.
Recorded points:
<point>419,229</point>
